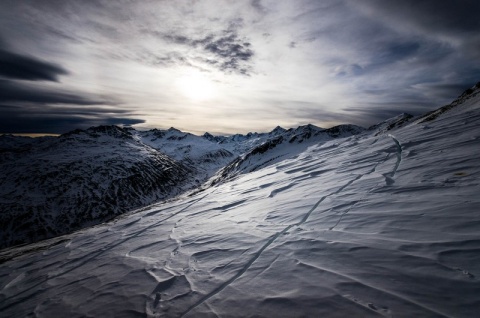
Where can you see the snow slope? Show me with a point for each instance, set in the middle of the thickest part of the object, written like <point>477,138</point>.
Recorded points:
<point>365,226</point>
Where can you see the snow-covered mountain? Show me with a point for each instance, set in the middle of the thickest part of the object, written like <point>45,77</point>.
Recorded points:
<point>371,225</point>
<point>203,155</point>
<point>240,144</point>
<point>283,145</point>
<point>52,186</point>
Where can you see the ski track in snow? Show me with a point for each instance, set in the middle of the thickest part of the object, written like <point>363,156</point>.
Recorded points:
<point>398,154</point>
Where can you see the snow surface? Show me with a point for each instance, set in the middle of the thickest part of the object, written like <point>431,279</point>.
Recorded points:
<point>365,226</point>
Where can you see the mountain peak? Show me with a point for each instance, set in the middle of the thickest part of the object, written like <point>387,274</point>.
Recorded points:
<point>308,127</point>
<point>278,130</point>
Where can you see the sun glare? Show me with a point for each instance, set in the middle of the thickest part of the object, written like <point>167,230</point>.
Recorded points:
<point>196,87</point>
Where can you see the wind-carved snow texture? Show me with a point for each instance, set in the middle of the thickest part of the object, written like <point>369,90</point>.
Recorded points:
<point>388,178</point>
<point>320,234</point>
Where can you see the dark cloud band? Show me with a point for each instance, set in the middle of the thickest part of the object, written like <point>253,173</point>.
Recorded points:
<point>16,66</point>
<point>14,92</point>
<point>33,119</point>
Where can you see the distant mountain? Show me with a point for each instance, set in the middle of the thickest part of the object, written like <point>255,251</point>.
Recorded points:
<point>202,155</point>
<point>240,144</point>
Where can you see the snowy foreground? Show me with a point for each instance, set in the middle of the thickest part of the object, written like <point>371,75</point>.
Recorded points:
<point>385,225</point>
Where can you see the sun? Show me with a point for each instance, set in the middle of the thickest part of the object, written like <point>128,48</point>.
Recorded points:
<point>196,86</point>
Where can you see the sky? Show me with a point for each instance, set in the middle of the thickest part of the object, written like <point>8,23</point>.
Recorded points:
<point>230,66</point>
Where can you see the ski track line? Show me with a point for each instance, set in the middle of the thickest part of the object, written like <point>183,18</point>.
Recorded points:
<point>399,154</point>
<point>100,252</point>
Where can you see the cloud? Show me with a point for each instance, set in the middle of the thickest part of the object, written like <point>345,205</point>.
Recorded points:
<point>58,120</point>
<point>442,90</point>
<point>307,111</point>
<point>23,67</point>
<point>31,109</point>
<point>349,70</point>
<point>431,15</point>
<point>368,114</point>
<point>453,22</point>
<point>15,92</point>
<point>226,51</point>
<point>257,5</point>
<point>396,51</point>
<point>231,52</point>
<point>30,102</point>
